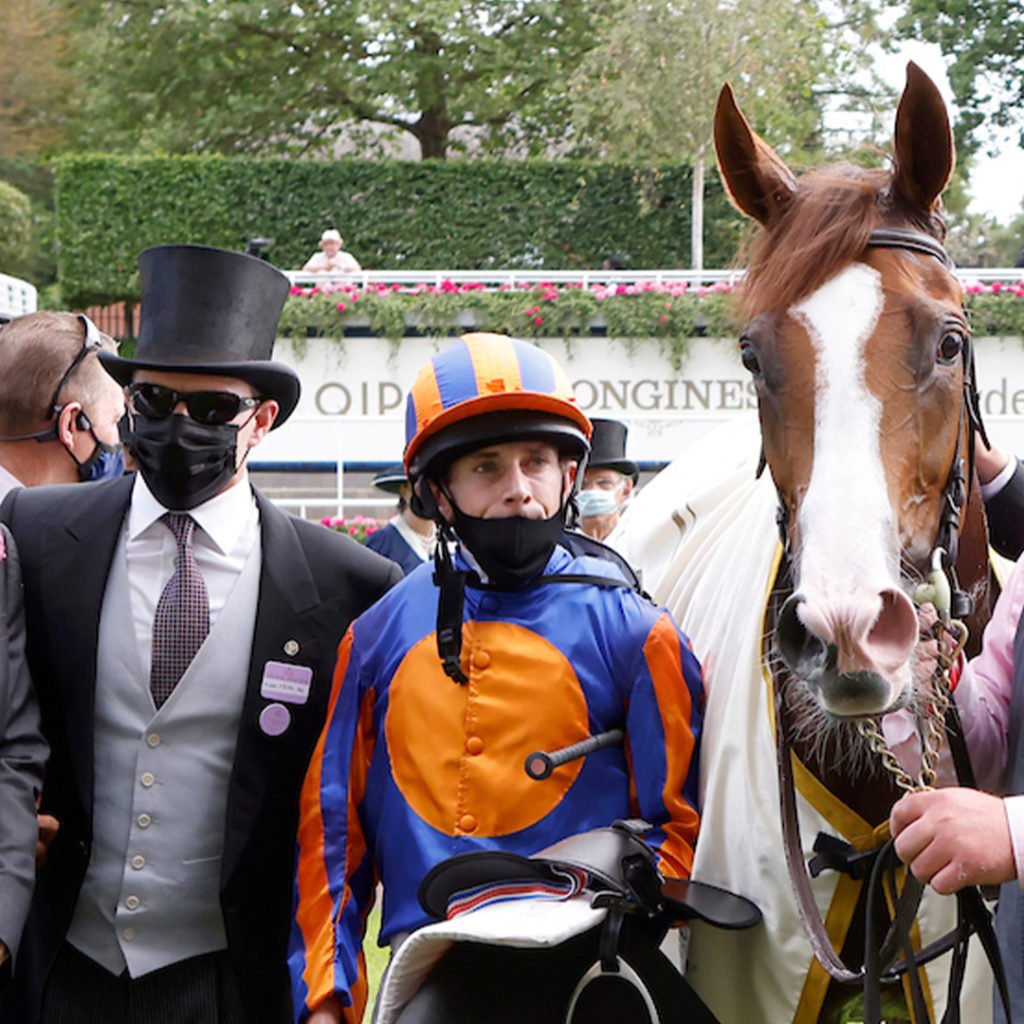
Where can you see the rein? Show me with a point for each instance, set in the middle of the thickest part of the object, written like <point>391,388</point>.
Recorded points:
<point>888,882</point>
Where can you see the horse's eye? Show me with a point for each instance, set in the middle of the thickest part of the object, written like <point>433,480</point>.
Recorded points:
<point>950,346</point>
<point>749,358</point>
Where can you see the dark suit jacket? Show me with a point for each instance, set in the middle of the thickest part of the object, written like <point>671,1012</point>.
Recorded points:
<point>1005,512</point>
<point>313,582</point>
<point>22,756</point>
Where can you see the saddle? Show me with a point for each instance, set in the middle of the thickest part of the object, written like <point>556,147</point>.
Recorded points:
<point>606,885</point>
<point>614,864</point>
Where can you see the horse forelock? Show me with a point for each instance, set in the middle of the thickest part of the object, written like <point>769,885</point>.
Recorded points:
<point>825,226</point>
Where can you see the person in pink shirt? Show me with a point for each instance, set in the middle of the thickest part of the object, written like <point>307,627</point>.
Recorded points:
<point>954,837</point>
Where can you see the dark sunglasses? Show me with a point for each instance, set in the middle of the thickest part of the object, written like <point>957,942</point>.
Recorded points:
<point>92,342</point>
<point>212,408</point>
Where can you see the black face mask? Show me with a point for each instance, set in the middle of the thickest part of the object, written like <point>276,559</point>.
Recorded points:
<point>511,551</point>
<point>183,462</point>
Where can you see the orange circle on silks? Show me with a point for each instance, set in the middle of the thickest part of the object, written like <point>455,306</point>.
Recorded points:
<point>457,750</point>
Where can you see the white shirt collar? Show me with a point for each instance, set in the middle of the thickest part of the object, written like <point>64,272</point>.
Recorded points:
<point>222,517</point>
<point>421,544</point>
<point>8,480</point>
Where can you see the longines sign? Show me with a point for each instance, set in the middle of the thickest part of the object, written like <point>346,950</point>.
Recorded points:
<point>353,394</point>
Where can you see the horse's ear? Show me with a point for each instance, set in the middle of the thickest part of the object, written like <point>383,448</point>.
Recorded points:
<point>924,142</point>
<point>758,181</point>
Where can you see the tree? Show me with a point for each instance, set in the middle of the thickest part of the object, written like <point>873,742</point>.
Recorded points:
<point>16,221</point>
<point>985,38</point>
<point>35,84</point>
<point>647,91</point>
<point>246,76</point>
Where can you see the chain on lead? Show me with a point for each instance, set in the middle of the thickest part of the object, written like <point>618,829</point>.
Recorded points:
<point>933,724</point>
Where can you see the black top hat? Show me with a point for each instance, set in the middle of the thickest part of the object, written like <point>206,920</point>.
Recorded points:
<point>214,311</point>
<point>391,478</point>
<point>608,449</point>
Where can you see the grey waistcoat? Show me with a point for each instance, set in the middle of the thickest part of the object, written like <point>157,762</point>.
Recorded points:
<point>151,894</point>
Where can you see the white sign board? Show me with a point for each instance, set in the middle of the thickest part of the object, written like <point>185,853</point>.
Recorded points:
<point>17,297</point>
<point>353,394</point>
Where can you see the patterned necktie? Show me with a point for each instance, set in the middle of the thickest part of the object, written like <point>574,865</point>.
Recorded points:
<point>182,618</point>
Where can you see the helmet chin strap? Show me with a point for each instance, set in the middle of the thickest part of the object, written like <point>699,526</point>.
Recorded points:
<point>451,583</point>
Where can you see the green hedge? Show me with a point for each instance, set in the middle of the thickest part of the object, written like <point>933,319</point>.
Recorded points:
<point>672,316</point>
<point>15,230</point>
<point>427,215</point>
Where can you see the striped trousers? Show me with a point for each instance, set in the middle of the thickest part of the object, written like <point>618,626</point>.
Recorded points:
<point>201,990</point>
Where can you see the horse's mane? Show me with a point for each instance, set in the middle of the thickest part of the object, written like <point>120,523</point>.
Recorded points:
<point>824,227</point>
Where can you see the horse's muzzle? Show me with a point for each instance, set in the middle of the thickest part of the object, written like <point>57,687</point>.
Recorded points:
<point>844,677</point>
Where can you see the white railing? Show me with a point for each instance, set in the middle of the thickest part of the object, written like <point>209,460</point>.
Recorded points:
<point>493,279</point>
<point>16,297</point>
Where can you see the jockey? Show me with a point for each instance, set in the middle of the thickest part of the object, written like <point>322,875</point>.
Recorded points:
<point>446,685</point>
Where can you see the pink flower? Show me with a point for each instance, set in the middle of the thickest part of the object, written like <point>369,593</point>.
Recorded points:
<point>662,319</point>
<point>295,290</point>
<point>342,307</point>
<point>538,320</point>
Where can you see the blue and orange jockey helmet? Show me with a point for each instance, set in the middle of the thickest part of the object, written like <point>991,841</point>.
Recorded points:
<point>488,389</point>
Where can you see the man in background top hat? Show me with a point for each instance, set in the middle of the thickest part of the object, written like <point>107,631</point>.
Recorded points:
<point>407,539</point>
<point>182,634</point>
<point>608,481</point>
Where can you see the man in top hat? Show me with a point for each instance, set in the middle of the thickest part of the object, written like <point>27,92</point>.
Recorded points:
<point>182,634</point>
<point>407,539</point>
<point>608,481</point>
<point>332,259</point>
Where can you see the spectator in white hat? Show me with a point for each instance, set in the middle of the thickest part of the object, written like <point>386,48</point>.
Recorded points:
<point>332,259</point>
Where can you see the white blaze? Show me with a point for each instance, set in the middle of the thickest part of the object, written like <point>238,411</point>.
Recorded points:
<point>848,544</point>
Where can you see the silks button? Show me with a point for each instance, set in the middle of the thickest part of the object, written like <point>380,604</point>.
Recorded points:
<point>474,745</point>
<point>481,659</point>
<point>467,823</point>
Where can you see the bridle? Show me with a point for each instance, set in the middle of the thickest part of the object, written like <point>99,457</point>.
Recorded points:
<point>954,492</point>
<point>894,957</point>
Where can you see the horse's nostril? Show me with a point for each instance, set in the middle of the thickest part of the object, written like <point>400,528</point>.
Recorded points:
<point>892,638</point>
<point>805,654</point>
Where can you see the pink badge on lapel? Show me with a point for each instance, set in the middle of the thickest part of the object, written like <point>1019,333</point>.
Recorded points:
<point>288,683</point>
<point>275,719</point>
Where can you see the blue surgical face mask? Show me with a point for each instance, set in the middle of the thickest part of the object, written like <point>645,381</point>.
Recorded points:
<point>596,502</point>
<point>105,463</point>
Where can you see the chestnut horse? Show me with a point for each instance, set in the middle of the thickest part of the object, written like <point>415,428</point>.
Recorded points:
<point>859,350</point>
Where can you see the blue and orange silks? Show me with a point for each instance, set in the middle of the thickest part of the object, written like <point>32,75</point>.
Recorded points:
<point>412,768</point>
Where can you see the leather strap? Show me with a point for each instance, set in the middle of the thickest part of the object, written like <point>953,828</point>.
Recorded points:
<point>879,966</point>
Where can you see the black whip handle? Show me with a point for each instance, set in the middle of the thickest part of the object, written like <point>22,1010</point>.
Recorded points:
<point>540,764</point>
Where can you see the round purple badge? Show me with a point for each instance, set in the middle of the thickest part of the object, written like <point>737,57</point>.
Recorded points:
<point>274,719</point>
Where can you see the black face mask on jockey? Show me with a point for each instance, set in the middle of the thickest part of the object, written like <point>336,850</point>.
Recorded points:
<point>511,551</point>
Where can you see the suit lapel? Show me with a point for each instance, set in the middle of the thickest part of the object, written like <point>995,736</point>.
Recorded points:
<point>283,632</point>
<point>73,577</point>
